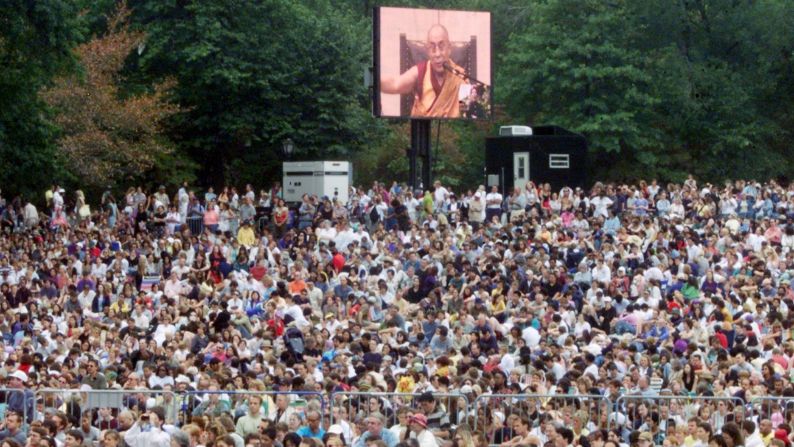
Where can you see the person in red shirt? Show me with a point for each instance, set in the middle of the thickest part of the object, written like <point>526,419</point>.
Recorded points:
<point>721,336</point>
<point>338,261</point>
<point>259,270</point>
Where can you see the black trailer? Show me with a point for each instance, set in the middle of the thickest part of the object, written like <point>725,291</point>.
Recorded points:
<point>550,155</point>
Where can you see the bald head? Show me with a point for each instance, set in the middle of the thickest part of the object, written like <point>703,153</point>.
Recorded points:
<point>438,47</point>
<point>437,32</point>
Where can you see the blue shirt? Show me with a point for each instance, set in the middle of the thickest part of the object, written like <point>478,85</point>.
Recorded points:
<point>386,436</point>
<point>306,432</point>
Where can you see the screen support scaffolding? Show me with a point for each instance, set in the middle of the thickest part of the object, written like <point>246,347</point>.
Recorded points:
<point>420,148</point>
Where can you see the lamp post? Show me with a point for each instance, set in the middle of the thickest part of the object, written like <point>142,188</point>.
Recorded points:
<point>287,148</point>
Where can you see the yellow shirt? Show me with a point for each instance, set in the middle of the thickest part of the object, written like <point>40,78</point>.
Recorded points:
<point>245,236</point>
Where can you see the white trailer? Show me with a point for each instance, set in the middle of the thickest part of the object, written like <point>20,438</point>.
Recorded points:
<point>323,178</point>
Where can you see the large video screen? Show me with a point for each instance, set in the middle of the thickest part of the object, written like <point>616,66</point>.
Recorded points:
<point>432,63</point>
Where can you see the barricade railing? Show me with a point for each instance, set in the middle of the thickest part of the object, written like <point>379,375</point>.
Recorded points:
<point>352,405</point>
<point>20,401</point>
<point>75,401</point>
<point>673,411</point>
<point>493,414</point>
<point>278,406</point>
<point>769,407</point>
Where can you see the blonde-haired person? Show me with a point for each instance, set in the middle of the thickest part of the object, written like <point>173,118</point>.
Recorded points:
<point>463,437</point>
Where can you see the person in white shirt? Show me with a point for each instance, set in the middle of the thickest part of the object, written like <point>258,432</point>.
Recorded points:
<point>531,336</point>
<point>141,317</point>
<point>325,232</point>
<point>183,198</point>
<point>418,425</point>
<point>601,272</point>
<point>412,204</point>
<point>86,296</point>
<point>295,311</point>
<point>162,378</point>
<point>493,204</point>
<point>57,199</point>
<point>137,436</point>
<point>31,215</point>
<point>440,195</point>
<point>601,204</point>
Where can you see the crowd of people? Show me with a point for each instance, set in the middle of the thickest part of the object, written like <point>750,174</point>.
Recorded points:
<point>623,315</point>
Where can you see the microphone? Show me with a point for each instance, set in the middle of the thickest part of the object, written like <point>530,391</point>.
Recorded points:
<point>462,75</point>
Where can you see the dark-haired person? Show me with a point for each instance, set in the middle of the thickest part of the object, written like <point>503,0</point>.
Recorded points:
<point>74,438</point>
<point>12,428</point>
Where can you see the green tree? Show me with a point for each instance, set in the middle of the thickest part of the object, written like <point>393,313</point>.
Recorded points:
<point>105,138</point>
<point>713,63</point>
<point>35,43</point>
<point>574,67</point>
<point>252,74</point>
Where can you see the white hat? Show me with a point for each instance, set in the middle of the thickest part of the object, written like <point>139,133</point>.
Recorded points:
<point>19,375</point>
<point>182,379</point>
<point>335,429</point>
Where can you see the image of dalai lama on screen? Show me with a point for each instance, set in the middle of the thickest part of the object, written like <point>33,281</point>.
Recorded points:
<point>435,83</point>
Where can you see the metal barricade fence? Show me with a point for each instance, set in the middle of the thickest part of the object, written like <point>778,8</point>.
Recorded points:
<point>18,400</point>
<point>663,413</point>
<point>195,224</point>
<point>775,408</point>
<point>356,405</point>
<point>493,414</point>
<point>276,405</point>
<point>77,402</point>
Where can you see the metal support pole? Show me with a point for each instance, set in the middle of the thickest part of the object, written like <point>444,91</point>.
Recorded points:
<point>420,146</point>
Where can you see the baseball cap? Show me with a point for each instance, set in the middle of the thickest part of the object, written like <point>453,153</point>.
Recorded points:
<point>19,375</point>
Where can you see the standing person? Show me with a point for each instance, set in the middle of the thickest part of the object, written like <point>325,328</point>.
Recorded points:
<point>30,215</point>
<point>493,204</point>
<point>280,218</point>
<point>440,195</point>
<point>183,199</point>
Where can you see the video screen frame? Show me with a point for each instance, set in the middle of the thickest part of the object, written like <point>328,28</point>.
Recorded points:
<point>475,96</point>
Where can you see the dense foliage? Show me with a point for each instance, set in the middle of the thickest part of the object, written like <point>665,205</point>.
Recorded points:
<point>659,88</point>
<point>106,137</point>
